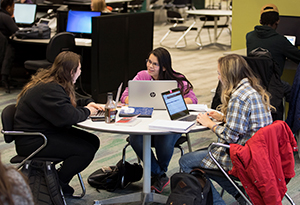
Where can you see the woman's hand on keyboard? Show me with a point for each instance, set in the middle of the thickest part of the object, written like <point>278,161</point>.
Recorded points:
<point>94,108</point>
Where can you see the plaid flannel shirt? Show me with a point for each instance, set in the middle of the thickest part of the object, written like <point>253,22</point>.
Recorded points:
<point>245,115</point>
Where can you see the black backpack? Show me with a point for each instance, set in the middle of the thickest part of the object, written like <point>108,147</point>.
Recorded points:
<point>110,178</point>
<point>190,189</point>
<point>43,182</point>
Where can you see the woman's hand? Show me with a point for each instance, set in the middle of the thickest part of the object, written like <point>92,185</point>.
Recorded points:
<point>94,108</point>
<point>204,120</point>
<point>216,115</point>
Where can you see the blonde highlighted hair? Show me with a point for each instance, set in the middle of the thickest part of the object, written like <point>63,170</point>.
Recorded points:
<point>62,70</point>
<point>233,68</point>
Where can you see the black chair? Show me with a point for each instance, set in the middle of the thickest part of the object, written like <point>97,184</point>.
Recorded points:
<point>176,18</point>
<point>180,141</point>
<point>63,41</point>
<point>209,24</point>
<point>135,5</point>
<point>7,117</point>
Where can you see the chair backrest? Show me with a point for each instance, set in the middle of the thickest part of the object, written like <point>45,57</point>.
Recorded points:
<point>63,41</point>
<point>174,17</point>
<point>7,118</point>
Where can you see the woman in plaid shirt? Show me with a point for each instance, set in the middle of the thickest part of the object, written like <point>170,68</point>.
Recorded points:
<point>245,109</point>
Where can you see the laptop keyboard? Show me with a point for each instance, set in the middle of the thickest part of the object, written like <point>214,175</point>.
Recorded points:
<point>189,118</point>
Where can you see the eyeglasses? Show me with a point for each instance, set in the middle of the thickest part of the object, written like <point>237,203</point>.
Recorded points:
<point>153,63</point>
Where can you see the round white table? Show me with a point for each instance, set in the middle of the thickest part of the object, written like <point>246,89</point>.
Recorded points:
<point>141,129</point>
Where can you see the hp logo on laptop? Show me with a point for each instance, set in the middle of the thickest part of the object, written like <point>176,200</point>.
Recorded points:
<point>152,94</point>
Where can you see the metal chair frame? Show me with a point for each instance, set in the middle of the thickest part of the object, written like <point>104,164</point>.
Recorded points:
<point>174,16</point>
<point>9,137</point>
<point>215,144</point>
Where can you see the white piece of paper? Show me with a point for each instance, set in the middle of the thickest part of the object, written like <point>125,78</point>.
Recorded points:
<point>197,107</point>
<point>171,125</point>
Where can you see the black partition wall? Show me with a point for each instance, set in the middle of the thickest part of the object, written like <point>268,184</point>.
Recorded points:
<point>120,45</point>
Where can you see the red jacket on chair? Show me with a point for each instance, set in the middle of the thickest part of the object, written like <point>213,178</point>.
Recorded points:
<point>265,163</point>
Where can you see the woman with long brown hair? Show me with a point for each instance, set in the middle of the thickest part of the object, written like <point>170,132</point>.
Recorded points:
<point>47,104</point>
<point>245,109</point>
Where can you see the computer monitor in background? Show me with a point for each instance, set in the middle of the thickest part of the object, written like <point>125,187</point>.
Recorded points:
<point>80,22</point>
<point>25,14</point>
<point>290,26</point>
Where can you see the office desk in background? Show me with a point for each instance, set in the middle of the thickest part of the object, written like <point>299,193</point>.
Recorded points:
<point>140,129</point>
<point>214,13</point>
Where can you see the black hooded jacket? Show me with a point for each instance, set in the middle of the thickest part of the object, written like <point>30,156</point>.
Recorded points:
<point>280,48</point>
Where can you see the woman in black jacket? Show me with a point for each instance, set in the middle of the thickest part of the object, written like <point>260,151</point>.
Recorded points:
<point>47,104</point>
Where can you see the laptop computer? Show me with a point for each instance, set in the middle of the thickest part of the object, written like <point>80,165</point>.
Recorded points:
<point>291,39</point>
<point>25,14</point>
<point>145,93</point>
<point>100,116</point>
<point>176,106</point>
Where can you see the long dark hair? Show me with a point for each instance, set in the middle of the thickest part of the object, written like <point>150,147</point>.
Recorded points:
<point>61,71</point>
<point>164,59</point>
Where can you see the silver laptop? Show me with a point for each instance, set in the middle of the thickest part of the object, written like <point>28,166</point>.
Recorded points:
<point>176,106</point>
<point>100,116</point>
<point>148,93</point>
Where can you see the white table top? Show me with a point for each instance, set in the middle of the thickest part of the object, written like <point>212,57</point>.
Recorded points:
<point>141,128</point>
<point>210,12</point>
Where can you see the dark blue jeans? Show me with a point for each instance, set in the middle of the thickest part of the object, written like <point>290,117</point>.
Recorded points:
<point>164,148</point>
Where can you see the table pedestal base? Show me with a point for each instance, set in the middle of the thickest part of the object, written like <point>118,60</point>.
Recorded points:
<point>135,197</point>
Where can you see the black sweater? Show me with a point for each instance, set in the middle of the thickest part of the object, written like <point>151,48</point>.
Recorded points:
<point>7,24</point>
<point>47,108</point>
<point>280,48</point>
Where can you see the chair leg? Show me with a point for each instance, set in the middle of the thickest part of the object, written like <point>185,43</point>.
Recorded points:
<point>165,36</point>
<point>182,153</point>
<point>289,199</point>
<point>82,187</point>
<point>189,142</point>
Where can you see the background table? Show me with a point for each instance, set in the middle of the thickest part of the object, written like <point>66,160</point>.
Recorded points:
<point>215,14</point>
<point>140,129</point>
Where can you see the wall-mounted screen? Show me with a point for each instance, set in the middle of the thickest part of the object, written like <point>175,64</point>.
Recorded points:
<point>80,21</point>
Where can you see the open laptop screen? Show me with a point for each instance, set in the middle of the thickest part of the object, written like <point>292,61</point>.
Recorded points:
<point>25,13</point>
<point>80,21</point>
<point>175,104</point>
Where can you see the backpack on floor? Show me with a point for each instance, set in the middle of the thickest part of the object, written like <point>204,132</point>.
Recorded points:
<point>43,181</point>
<point>110,178</point>
<point>190,189</point>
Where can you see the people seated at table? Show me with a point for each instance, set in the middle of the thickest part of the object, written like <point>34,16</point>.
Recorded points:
<point>47,104</point>
<point>7,28</point>
<point>14,188</point>
<point>244,110</point>
<point>159,67</point>
<point>100,5</point>
<point>265,36</point>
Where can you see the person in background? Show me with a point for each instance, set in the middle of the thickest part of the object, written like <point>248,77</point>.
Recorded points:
<point>100,5</point>
<point>14,188</point>
<point>245,109</point>
<point>265,36</point>
<point>47,104</point>
<point>7,27</point>
<point>159,67</point>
